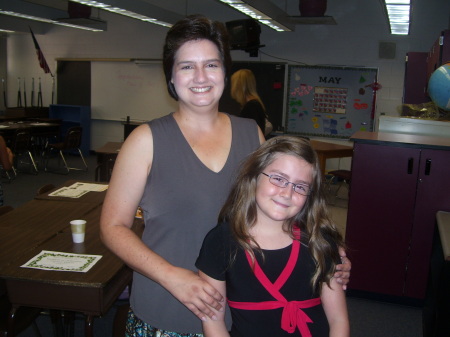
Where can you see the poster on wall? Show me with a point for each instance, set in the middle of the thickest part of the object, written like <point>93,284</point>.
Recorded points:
<point>327,101</point>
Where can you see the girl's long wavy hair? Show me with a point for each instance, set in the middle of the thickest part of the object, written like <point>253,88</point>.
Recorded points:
<point>318,230</point>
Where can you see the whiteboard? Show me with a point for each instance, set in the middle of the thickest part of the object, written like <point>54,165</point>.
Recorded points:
<point>332,102</point>
<point>121,89</point>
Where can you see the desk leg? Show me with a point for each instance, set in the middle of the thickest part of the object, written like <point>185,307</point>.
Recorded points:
<point>89,326</point>
<point>322,163</point>
<point>57,324</point>
<point>12,314</point>
<point>69,323</point>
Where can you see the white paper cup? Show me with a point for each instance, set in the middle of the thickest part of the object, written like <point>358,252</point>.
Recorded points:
<point>78,228</point>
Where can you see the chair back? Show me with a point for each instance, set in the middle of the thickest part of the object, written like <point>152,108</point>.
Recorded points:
<point>5,209</point>
<point>73,138</point>
<point>22,141</point>
<point>4,157</point>
<point>44,189</point>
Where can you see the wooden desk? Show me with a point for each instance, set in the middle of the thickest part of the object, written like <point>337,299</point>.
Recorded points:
<point>38,129</point>
<point>106,157</point>
<point>110,148</point>
<point>329,150</point>
<point>91,293</point>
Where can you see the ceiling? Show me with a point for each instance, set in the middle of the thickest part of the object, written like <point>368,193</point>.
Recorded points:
<point>175,9</point>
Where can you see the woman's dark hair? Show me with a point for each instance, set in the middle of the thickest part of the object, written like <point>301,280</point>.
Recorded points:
<point>194,27</point>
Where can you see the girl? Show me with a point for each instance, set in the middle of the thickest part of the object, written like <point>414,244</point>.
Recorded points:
<point>275,249</point>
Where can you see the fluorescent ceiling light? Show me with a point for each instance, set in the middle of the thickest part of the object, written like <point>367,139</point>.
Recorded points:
<point>6,31</point>
<point>124,9</point>
<point>268,16</point>
<point>399,15</point>
<point>40,19</point>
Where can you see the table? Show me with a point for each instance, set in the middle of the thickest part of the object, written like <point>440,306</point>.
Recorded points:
<point>324,150</point>
<point>330,150</point>
<point>37,129</point>
<point>106,157</point>
<point>43,224</point>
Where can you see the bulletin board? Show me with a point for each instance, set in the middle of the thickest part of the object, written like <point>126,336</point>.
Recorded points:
<point>330,102</point>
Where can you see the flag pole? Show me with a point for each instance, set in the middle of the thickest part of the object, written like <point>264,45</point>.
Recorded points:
<point>53,88</point>
<point>39,94</point>
<point>19,95</point>
<point>24,92</point>
<point>32,91</point>
<point>4,93</point>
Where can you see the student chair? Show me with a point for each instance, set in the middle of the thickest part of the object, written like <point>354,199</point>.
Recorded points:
<point>343,177</point>
<point>71,142</point>
<point>6,161</point>
<point>22,147</point>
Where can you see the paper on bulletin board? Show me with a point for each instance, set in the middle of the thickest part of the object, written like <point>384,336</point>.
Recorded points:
<point>331,102</point>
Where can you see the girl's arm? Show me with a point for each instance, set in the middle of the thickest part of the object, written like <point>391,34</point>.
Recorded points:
<point>335,307</point>
<point>215,327</point>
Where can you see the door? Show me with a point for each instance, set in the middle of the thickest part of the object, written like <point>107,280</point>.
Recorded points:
<point>433,194</point>
<point>380,216</point>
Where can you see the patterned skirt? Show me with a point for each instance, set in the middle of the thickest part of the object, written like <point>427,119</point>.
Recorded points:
<point>135,327</point>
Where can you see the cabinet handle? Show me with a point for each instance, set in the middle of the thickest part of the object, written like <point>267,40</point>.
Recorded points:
<point>410,165</point>
<point>427,167</point>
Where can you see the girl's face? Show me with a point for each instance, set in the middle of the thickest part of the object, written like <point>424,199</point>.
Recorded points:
<point>198,74</point>
<point>277,203</point>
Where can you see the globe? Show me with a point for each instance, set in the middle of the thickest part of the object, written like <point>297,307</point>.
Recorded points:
<point>439,87</point>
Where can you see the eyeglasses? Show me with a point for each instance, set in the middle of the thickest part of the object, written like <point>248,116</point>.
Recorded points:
<point>279,181</point>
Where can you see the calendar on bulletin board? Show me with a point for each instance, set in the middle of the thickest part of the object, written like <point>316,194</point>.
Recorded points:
<point>328,101</point>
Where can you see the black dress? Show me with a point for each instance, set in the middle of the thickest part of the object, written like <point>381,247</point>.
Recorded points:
<point>253,109</point>
<point>243,286</point>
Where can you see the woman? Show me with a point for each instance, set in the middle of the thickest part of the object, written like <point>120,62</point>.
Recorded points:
<point>243,91</point>
<point>178,169</point>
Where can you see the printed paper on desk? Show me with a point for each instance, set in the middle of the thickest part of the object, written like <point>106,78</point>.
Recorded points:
<point>90,187</point>
<point>60,261</point>
<point>68,192</point>
<point>78,189</point>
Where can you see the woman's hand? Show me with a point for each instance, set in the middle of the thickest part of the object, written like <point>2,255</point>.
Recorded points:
<point>342,273</point>
<point>195,293</point>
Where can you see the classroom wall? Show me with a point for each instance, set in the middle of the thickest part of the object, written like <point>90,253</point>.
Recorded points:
<point>354,41</point>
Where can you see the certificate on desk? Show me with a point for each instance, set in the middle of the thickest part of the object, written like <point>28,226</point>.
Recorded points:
<point>60,261</point>
<point>78,189</point>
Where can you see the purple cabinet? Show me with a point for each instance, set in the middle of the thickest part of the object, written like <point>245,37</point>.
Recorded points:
<point>398,184</point>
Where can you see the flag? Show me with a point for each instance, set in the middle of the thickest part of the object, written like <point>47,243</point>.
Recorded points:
<point>41,58</point>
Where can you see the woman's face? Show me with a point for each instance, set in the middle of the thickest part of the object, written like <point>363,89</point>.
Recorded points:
<point>277,203</point>
<point>198,75</point>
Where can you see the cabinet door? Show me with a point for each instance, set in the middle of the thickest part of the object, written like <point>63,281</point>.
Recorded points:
<point>380,216</point>
<point>433,194</point>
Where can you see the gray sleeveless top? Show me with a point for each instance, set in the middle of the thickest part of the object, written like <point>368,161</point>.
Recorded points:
<point>181,203</point>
